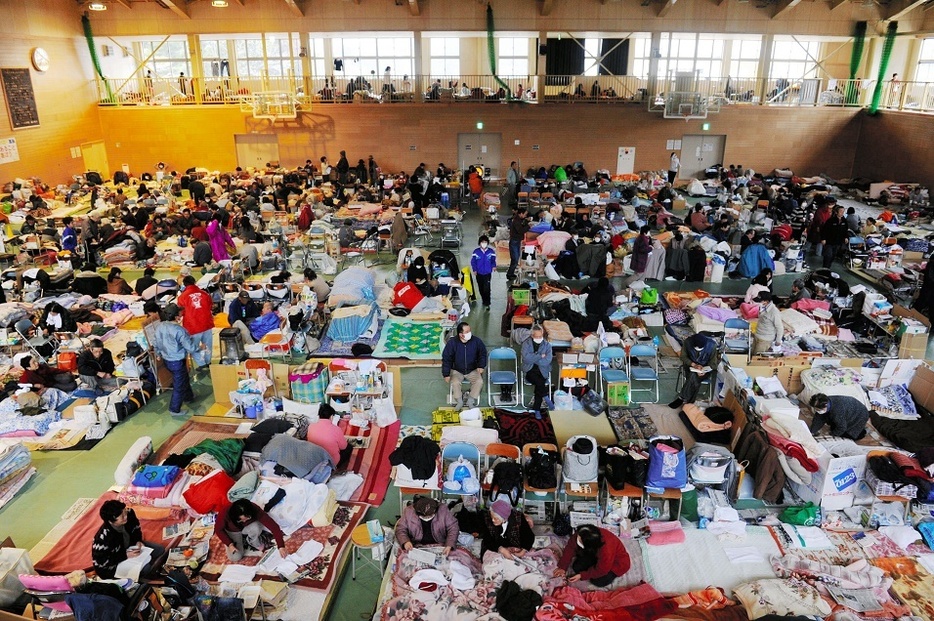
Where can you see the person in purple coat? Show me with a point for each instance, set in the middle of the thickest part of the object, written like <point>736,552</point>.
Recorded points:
<point>427,522</point>
<point>222,244</point>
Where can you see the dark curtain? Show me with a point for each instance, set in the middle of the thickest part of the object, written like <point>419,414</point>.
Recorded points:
<point>564,57</point>
<point>615,62</point>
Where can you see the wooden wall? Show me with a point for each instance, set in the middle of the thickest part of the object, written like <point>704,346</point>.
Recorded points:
<point>808,140</point>
<point>895,146</point>
<point>66,101</point>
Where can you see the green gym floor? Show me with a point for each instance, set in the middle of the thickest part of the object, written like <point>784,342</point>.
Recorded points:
<point>64,476</point>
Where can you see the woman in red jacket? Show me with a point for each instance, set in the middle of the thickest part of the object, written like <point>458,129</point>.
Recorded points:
<point>595,555</point>
<point>244,527</point>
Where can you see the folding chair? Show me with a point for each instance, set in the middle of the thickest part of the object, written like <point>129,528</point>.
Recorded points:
<point>465,389</point>
<point>455,454</point>
<point>612,362</point>
<point>639,373</point>
<point>494,451</point>
<point>500,379</point>
<point>421,232</point>
<point>253,365</point>
<point>741,340</point>
<point>857,251</point>
<point>538,494</point>
<point>24,327</point>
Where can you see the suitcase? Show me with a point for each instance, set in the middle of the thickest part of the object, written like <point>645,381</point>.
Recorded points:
<point>593,403</point>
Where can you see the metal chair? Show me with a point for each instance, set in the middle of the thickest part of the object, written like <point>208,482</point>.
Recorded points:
<point>24,327</point>
<point>639,373</point>
<point>611,359</point>
<point>492,453</point>
<point>421,232</point>
<point>455,454</point>
<point>538,494</point>
<point>500,378</point>
<point>734,345</point>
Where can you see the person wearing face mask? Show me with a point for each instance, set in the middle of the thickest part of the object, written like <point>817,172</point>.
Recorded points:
<point>698,352</point>
<point>769,328</point>
<point>536,364</point>
<point>505,530</point>
<point>483,262</point>
<point>847,416</point>
<point>572,244</point>
<point>463,358</point>
<point>427,522</point>
<point>595,555</point>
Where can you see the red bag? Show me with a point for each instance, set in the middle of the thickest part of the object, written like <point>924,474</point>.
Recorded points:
<point>210,493</point>
<point>407,294</point>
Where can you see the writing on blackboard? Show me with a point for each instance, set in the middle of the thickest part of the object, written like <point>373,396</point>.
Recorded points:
<point>20,98</point>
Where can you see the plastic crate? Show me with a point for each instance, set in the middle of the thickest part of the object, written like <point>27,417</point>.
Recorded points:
<point>617,394</point>
<point>522,297</point>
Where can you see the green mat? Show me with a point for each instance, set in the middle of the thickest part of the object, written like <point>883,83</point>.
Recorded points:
<point>416,340</point>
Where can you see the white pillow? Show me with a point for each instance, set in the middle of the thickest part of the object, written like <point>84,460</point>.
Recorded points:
<point>904,536</point>
<point>136,455</point>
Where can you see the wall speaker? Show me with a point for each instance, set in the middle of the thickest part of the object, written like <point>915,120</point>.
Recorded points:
<point>542,49</point>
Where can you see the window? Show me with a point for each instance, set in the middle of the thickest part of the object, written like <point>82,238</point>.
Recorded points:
<point>214,61</point>
<point>794,60</point>
<point>369,56</point>
<point>925,72</point>
<point>316,51</point>
<point>686,53</point>
<point>744,57</point>
<point>282,55</point>
<point>168,59</point>
<point>249,54</point>
<point>513,56</point>
<point>591,57</point>
<point>641,55</point>
<point>445,57</point>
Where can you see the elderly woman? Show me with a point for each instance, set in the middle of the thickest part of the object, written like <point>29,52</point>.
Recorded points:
<point>536,363</point>
<point>505,530</point>
<point>594,555</point>
<point>427,522</point>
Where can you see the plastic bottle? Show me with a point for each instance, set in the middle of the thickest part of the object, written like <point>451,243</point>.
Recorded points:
<point>656,341</point>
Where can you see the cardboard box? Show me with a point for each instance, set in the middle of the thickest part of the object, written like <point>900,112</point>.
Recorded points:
<point>921,387</point>
<point>910,313</point>
<point>834,485</point>
<point>913,346</point>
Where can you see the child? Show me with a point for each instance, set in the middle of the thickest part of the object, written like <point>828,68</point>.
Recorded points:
<point>406,262</point>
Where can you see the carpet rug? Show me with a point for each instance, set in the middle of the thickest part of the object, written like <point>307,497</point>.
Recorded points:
<point>404,338</point>
<point>632,424</point>
<point>73,550</point>
<point>323,571</point>
<point>443,417</point>
<point>190,434</point>
<point>522,429</point>
<point>702,561</point>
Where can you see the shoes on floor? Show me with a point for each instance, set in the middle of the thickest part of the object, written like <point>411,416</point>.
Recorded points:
<point>677,403</point>
<point>538,414</point>
<point>549,403</point>
<point>486,308</point>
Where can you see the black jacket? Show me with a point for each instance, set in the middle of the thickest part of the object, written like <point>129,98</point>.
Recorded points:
<point>518,533</point>
<point>109,550</point>
<point>834,231</point>
<point>89,365</point>
<point>518,227</point>
<point>418,454</point>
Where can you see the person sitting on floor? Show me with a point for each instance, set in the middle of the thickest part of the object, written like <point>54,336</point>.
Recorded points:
<point>600,296</point>
<point>427,522</point>
<point>96,367</point>
<point>329,436</point>
<point>698,220</point>
<point>505,530</point>
<point>247,530</point>
<point>43,376</point>
<point>418,274</point>
<point>201,252</point>
<point>55,318</point>
<point>762,282</point>
<point>241,312</point>
<point>798,292</point>
<point>595,555</point>
<point>847,416</point>
<point>315,283</point>
<point>119,538</point>
<point>146,281</point>
<point>116,284</point>
<point>698,352</point>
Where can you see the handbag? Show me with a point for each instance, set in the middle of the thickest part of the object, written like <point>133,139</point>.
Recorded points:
<point>581,460</point>
<point>309,383</point>
<point>649,296</point>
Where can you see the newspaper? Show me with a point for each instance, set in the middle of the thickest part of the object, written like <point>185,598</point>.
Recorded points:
<point>858,600</point>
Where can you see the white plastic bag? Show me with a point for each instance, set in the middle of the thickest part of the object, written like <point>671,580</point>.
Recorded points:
<point>13,562</point>
<point>384,412</point>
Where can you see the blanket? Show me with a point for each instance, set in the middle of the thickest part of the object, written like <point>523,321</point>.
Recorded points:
<point>640,602</point>
<point>631,424</point>
<point>833,381</point>
<point>403,337</point>
<point>797,323</point>
<point>522,429</point>
<point>557,332</point>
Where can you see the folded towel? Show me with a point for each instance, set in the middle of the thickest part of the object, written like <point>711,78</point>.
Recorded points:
<point>665,533</point>
<point>701,422</point>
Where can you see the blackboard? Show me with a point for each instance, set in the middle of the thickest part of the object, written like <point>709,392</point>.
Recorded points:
<point>20,98</point>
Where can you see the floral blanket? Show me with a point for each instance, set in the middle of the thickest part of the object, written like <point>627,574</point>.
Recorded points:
<point>446,603</point>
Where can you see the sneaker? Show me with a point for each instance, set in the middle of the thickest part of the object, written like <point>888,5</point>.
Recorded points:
<point>538,414</point>
<point>487,308</point>
<point>549,403</point>
<point>677,403</point>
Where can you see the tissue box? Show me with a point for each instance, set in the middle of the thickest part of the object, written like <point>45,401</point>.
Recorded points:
<point>375,529</point>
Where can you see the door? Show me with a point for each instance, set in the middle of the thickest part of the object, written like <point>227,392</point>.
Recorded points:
<point>625,160</point>
<point>95,158</point>
<point>256,150</point>
<point>483,150</point>
<point>699,152</point>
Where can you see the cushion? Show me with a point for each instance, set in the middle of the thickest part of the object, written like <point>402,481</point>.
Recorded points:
<point>45,583</point>
<point>135,456</point>
<point>780,597</point>
<point>244,487</point>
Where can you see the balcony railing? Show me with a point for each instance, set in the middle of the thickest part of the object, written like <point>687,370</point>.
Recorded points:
<point>720,92</point>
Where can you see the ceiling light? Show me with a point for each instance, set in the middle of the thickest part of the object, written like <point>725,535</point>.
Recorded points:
<point>97,6</point>
<point>219,4</point>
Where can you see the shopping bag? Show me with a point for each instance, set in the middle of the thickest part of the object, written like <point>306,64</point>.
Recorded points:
<point>384,412</point>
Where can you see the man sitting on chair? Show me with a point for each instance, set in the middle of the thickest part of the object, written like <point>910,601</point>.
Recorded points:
<point>265,323</point>
<point>698,352</point>
<point>464,358</point>
<point>241,313</point>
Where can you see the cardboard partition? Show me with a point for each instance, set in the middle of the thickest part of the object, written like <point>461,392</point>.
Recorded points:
<point>834,485</point>
<point>739,418</point>
<point>922,387</point>
<point>913,346</point>
<point>900,311</point>
<point>225,378</point>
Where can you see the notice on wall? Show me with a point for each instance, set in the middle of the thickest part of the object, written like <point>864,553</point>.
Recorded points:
<point>673,145</point>
<point>625,160</point>
<point>20,98</point>
<point>9,152</point>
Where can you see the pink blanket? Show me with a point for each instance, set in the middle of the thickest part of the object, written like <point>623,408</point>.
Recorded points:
<point>807,305</point>
<point>717,313</point>
<point>665,533</point>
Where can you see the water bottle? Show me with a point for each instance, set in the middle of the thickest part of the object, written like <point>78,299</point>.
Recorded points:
<point>656,341</point>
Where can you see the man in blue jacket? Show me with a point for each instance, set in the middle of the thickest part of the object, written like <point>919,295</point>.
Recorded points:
<point>464,357</point>
<point>483,262</point>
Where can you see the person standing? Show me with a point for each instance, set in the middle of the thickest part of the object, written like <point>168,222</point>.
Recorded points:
<point>483,262</point>
<point>674,165</point>
<point>173,344</point>
<point>518,227</point>
<point>833,235</point>
<point>641,248</point>
<point>536,364</point>
<point>198,319</point>
<point>343,167</point>
<point>69,237</point>
<point>769,327</point>
<point>512,184</point>
<point>222,244</point>
<point>464,358</point>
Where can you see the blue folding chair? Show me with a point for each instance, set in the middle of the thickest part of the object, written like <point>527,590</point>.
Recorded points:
<point>737,345</point>
<point>646,373</point>
<point>497,378</point>
<point>467,453</point>
<point>611,358</point>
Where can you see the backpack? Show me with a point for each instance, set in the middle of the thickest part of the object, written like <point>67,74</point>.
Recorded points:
<point>887,470</point>
<point>540,469</point>
<point>507,479</point>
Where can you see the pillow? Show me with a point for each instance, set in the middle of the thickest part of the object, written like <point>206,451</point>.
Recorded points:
<point>135,456</point>
<point>45,583</point>
<point>244,487</point>
<point>904,536</point>
<point>781,597</point>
